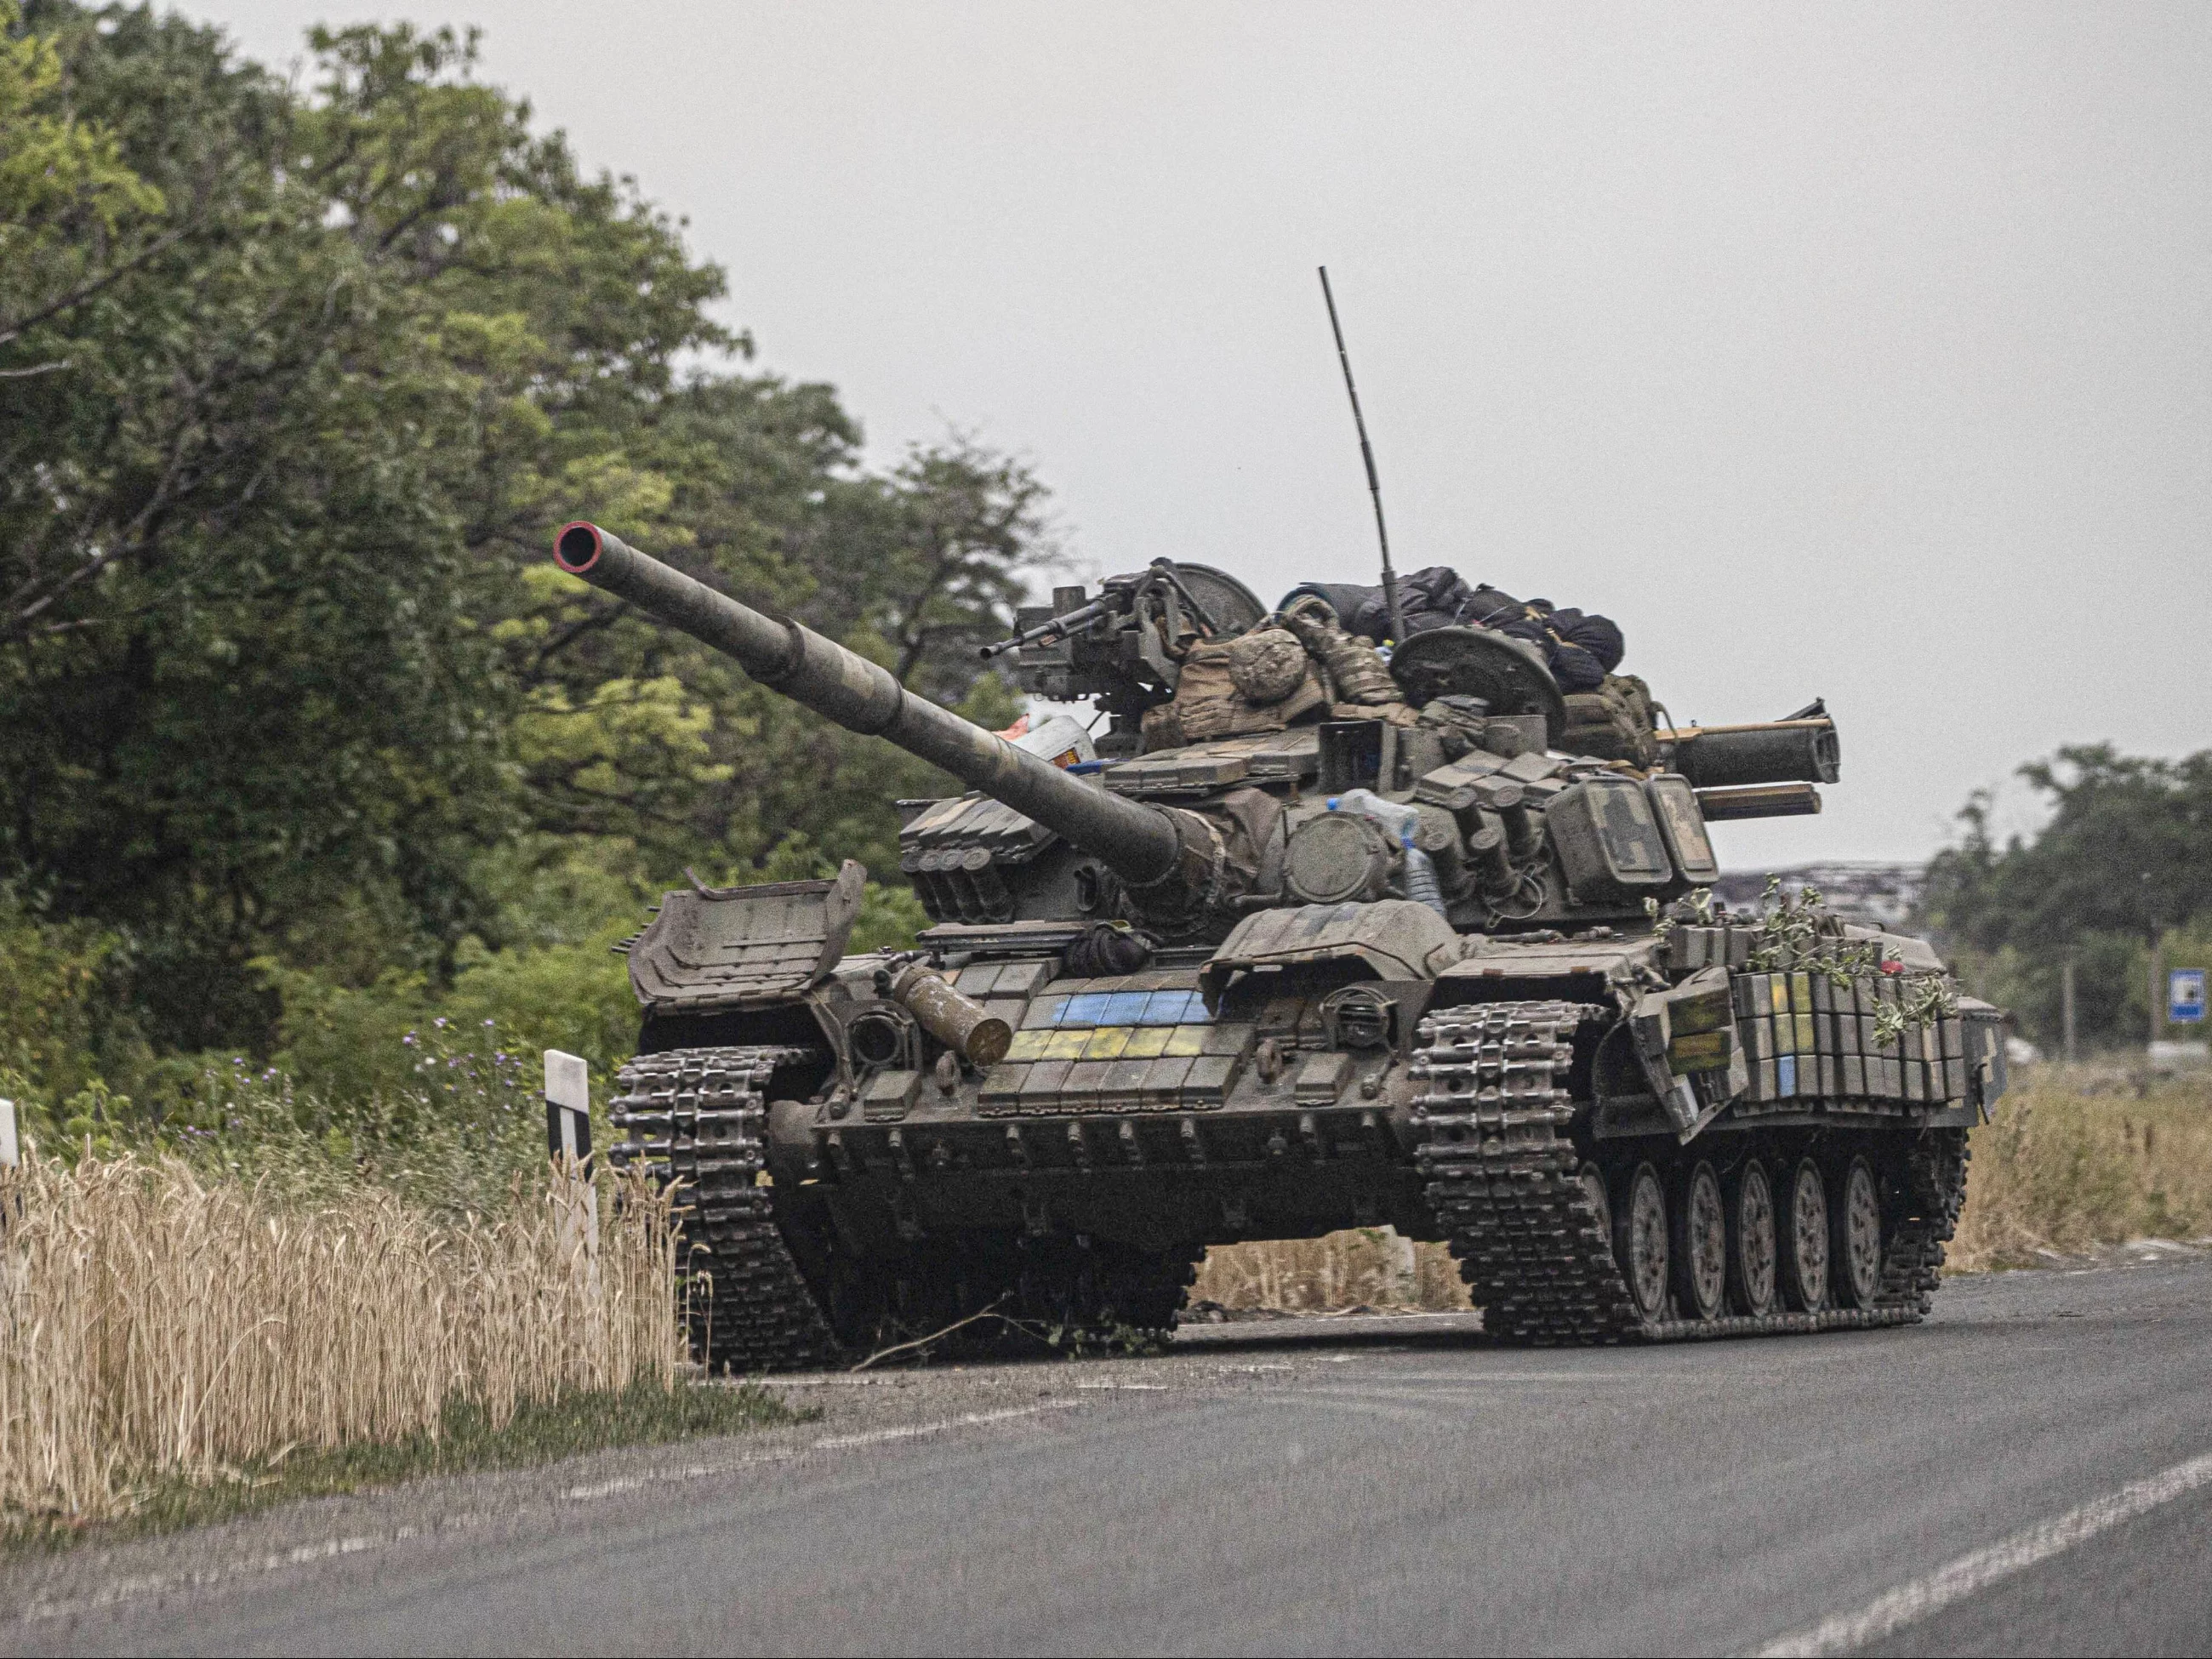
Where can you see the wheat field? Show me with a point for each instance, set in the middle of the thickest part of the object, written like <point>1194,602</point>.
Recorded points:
<point>156,1323</point>
<point>156,1320</point>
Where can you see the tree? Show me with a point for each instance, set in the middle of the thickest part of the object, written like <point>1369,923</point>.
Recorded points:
<point>2120,863</point>
<point>244,689</point>
<point>70,209</point>
<point>298,388</point>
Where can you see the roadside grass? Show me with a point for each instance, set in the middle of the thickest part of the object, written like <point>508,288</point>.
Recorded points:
<point>183,1343</point>
<point>647,1414</point>
<point>2085,1156</point>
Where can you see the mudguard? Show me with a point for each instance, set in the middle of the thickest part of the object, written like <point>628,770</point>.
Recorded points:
<point>745,947</point>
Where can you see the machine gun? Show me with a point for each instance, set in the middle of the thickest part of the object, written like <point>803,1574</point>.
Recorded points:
<point>1125,647</point>
<point>1175,608</point>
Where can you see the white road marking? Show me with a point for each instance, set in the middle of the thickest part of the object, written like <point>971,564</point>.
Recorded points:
<point>1969,1574</point>
<point>133,1589</point>
<point>155,1584</point>
<point>878,1437</point>
<point>885,1380</point>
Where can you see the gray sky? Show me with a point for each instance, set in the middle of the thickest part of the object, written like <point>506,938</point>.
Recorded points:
<point>1861,351</point>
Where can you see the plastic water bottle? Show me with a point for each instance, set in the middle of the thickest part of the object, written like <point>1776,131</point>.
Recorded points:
<point>1400,821</point>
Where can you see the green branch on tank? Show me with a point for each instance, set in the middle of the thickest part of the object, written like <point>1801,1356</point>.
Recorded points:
<point>1796,932</point>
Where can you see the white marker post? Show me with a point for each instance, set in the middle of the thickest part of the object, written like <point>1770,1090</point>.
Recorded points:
<point>568,1109</point>
<point>10,1155</point>
<point>568,1143</point>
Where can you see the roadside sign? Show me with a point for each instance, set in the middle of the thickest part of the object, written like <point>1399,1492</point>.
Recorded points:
<point>567,1108</point>
<point>7,1153</point>
<point>569,1140</point>
<point>2184,995</point>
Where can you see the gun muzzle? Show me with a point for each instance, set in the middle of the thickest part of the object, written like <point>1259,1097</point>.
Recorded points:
<point>1770,752</point>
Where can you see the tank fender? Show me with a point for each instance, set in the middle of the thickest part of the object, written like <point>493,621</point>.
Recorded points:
<point>717,948</point>
<point>1394,939</point>
<point>1983,1026</point>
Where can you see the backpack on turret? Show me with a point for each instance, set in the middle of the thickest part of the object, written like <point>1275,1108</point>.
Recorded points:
<point>1613,722</point>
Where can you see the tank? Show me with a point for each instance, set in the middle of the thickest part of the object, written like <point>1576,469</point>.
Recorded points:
<point>1308,939</point>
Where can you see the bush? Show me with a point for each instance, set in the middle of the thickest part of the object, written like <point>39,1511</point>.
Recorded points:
<point>63,1028</point>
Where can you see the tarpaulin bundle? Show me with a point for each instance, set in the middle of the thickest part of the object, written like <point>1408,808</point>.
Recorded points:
<point>1580,647</point>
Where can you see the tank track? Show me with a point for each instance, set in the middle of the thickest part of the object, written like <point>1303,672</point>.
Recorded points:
<point>696,1119</point>
<point>1503,1179</point>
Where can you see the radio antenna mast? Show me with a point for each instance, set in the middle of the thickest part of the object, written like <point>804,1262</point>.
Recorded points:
<point>1367,454</point>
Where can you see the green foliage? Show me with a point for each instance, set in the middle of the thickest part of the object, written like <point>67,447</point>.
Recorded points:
<point>303,739</point>
<point>67,197</point>
<point>2120,862</point>
<point>63,1031</point>
<point>1794,931</point>
<point>2122,853</point>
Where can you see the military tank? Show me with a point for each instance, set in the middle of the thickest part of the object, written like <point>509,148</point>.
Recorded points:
<point>1306,939</point>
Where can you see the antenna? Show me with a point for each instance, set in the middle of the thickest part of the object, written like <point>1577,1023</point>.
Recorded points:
<point>1367,454</point>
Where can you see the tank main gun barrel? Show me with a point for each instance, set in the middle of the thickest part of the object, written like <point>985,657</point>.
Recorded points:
<point>1161,848</point>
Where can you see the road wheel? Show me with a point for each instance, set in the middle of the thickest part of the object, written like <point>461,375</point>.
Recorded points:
<point>1855,1242</point>
<point>1752,1250</point>
<point>1639,1241</point>
<point>1593,1179</point>
<point>1805,1241</point>
<point>1701,1244</point>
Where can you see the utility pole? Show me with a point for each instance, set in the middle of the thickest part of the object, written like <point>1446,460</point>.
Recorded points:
<point>2153,938</point>
<point>2066,1002</point>
<point>2157,983</point>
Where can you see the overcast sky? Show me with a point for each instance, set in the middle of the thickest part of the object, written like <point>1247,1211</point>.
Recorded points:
<point>1856,351</point>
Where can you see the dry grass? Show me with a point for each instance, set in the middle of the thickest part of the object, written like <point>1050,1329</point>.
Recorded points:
<point>2080,1157</point>
<point>1370,1267</point>
<point>156,1324</point>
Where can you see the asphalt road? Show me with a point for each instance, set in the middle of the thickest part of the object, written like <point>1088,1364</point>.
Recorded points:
<point>2026,1473</point>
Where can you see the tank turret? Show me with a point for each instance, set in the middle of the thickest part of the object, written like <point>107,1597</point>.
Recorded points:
<point>1231,803</point>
